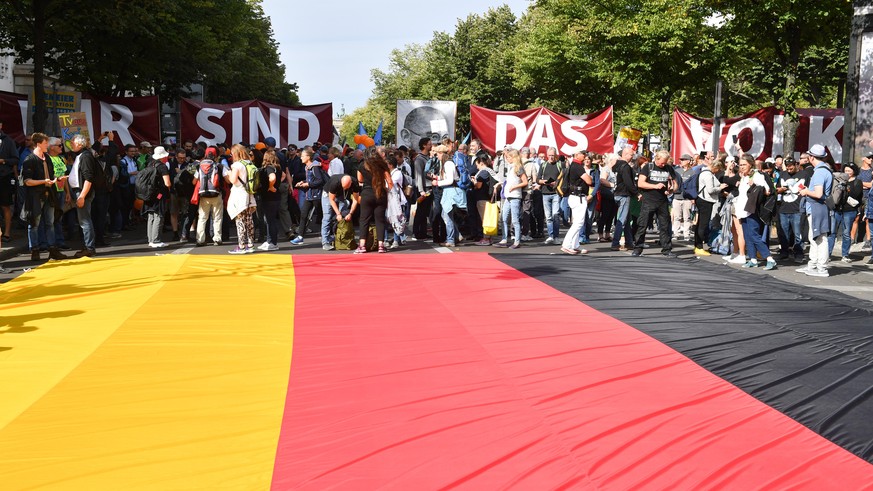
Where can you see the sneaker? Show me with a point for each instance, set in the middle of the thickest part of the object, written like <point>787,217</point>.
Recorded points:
<point>738,259</point>
<point>327,247</point>
<point>216,242</point>
<point>846,260</point>
<point>382,249</point>
<point>113,235</point>
<point>818,273</point>
<point>297,240</point>
<point>484,242</point>
<point>803,269</point>
<point>263,247</point>
<point>250,250</point>
<point>157,245</point>
<point>771,264</point>
<point>526,238</point>
<point>583,251</point>
<point>550,241</point>
<point>412,239</point>
<point>699,251</point>
<point>670,254</point>
<point>4,270</point>
<point>394,245</point>
<point>751,264</point>
<point>865,246</point>
<point>569,251</point>
<point>237,250</point>
<point>515,245</point>
<point>728,257</point>
<point>271,247</point>
<point>637,253</point>
<point>360,250</point>
<point>502,243</point>
<point>615,248</point>
<point>870,261</point>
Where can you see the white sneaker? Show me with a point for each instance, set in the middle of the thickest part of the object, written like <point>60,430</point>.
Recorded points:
<point>728,257</point>
<point>157,245</point>
<point>271,247</point>
<point>394,245</point>
<point>264,246</point>
<point>738,259</point>
<point>846,260</point>
<point>526,238</point>
<point>550,241</point>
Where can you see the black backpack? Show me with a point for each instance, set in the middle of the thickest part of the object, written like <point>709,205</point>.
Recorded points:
<point>148,182</point>
<point>183,183</point>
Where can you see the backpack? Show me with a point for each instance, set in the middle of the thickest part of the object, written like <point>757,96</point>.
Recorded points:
<point>207,173</point>
<point>563,187</point>
<point>691,186</point>
<point>839,189</point>
<point>406,183</point>
<point>253,177</point>
<point>464,181</point>
<point>148,182</point>
<point>123,175</point>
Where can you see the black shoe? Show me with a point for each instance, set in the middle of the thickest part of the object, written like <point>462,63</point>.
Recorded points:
<point>670,254</point>
<point>870,261</point>
<point>637,252</point>
<point>4,270</point>
<point>65,247</point>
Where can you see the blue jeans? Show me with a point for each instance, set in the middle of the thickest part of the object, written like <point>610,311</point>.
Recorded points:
<point>622,223</point>
<point>844,218</point>
<point>45,216</point>
<point>451,227</point>
<point>565,211</point>
<point>552,207</point>
<point>752,226</point>
<point>512,209</point>
<point>84,214</point>
<point>790,223</point>
<point>328,216</point>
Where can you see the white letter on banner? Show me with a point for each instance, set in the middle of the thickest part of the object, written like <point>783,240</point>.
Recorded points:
<point>120,126</point>
<point>759,136</point>
<point>294,135</point>
<point>236,125</point>
<point>699,139</point>
<point>827,136</point>
<point>501,131</point>
<point>778,135</point>
<point>209,126</point>
<point>569,130</point>
<point>258,123</point>
<point>543,134</point>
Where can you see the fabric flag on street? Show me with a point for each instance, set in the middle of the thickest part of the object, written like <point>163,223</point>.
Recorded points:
<point>112,379</point>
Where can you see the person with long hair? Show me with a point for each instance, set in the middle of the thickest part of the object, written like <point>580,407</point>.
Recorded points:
<point>269,210</point>
<point>375,180</point>
<point>241,205</point>
<point>516,180</point>
<point>452,199</point>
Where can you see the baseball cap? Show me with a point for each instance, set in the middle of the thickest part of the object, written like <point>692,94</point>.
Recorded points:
<point>270,141</point>
<point>685,156</point>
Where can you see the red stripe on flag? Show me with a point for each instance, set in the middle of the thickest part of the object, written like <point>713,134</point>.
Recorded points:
<point>437,371</point>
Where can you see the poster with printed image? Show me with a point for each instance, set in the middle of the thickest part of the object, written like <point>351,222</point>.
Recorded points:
<point>425,119</point>
<point>73,124</point>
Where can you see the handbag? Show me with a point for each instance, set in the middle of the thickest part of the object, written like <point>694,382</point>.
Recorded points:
<point>195,198</point>
<point>490,218</point>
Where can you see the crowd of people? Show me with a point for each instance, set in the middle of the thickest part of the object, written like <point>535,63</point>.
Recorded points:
<point>446,191</point>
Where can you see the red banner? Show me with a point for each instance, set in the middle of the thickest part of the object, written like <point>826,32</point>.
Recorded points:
<point>541,128</point>
<point>253,121</point>
<point>760,133</point>
<point>13,113</point>
<point>133,119</point>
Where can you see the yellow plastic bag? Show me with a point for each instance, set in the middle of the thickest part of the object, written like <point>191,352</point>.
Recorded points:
<point>489,220</point>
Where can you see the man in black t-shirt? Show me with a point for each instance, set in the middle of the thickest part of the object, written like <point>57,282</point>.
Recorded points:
<point>656,183</point>
<point>340,190</point>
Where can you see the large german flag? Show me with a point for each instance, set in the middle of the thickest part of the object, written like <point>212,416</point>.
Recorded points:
<point>416,372</point>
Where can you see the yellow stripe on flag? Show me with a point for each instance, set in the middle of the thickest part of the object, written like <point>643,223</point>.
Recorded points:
<point>160,373</point>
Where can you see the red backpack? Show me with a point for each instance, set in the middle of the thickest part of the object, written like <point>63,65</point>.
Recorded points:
<point>208,173</point>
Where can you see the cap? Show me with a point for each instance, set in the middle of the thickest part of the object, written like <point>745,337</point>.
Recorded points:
<point>685,156</point>
<point>818,151</point>
<point>323,148</point>
<point>145,144</point>
<point>211,153</point>
<point>869,155</point>
<point>270,141</point>
<point>260,146</point>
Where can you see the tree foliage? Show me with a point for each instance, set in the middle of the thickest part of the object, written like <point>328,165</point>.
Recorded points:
<point>644,57</point>
<point>143,47</point>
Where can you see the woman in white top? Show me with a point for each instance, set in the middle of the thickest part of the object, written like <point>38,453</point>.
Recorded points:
<point>516,180</point>
<point>240,204</point>
<point>752,187</point>
<point>452,196</point>
<point>396,203</point>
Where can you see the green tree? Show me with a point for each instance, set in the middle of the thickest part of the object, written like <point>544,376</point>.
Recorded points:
<point>155,46</point>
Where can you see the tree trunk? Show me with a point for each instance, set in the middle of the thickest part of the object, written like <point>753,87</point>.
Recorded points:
<point>665,121</point>
<point>40,116</point>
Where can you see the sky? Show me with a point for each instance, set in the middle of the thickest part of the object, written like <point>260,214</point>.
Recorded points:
<point>331,57</point>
